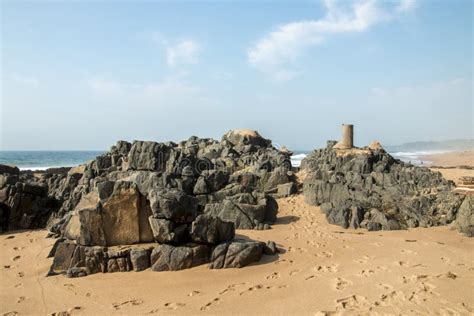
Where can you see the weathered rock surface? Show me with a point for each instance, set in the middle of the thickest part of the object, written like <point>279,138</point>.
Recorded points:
<point>189,197</point>
<point>211,230</point>
<point>368,188</point>
<point>465,219</point>
<point>171,258</point>
<point>24,204</point>
<point>236,254</point>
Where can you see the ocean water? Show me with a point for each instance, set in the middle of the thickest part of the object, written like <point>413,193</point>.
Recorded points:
<point>297,157</point>
<point>41,160</point>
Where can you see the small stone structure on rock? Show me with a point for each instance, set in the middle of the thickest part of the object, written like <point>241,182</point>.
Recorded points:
<point>347,141</point>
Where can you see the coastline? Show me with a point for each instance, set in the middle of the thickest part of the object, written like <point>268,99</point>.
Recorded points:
<point>451,159</point>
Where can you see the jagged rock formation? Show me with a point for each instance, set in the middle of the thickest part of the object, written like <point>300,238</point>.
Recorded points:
<point>465,217</point>
<point>24,203</point>
<point>368,188</point>
<point>188,197</point>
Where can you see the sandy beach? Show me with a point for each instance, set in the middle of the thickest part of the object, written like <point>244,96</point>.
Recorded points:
<point>451,159</point>
<point>323,269</point>
<point>452,164</point>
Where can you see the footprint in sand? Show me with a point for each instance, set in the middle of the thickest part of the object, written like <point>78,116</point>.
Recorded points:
<point>409,252</point>
<point>173,306</point>
<point>353,302</point>
<point>310,277</point>
<point>445,260</point>
<point>297,249</point>
<point>194,293</point>
<point>341,283</point>
<point>231,287</point>
<point>401,263</point>
<point>331,268</point>
<point>21,274</point>
<point>274,275</point>
<point>364,259</point>
<point>209,305</point>
<point>20,299</point>
<point>385,286</point>
<point>18,285</point>
<point>7,266</point>
<point>270,287</point>
<point>12,313</point>
<point>70,287</point>
<point>383,268</point>
<point>447,275</point>
<point>293,272</point>
<point>10,237</point>
<point>392,297</point>
<point>290,262</point>
<point>315,244</point>
<point>133,302</point>
<point>415,278</point>
<point>365,273</point>
<point>16,258</point>
<point>251,289</point>
<point>325,254</point>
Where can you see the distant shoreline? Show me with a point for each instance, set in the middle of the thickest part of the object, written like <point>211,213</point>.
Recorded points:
<point>451,159</point>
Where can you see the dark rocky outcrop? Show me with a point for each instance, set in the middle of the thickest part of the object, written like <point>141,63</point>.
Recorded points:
<point>188,197</point>
<point>368,188</point>
<point>24,203</point>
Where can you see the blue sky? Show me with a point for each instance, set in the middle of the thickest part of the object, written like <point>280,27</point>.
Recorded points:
<point>81,75</point>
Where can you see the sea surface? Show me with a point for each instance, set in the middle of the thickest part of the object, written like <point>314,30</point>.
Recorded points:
<point>41,160</point>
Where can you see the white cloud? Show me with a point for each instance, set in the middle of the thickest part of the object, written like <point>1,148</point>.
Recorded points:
<point>290,41</point>
<point>406,5</point>
<point>182,52</point>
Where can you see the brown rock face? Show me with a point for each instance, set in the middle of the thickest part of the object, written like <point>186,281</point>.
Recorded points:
<point>120,216</point>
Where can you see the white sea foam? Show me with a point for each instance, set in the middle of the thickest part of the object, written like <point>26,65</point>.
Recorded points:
<point>40,168</point>
<point>296,159</point>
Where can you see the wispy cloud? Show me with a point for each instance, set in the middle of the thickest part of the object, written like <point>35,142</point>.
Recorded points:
<point>180,51</point>
<point>406,5</point>
<point>274,53</point>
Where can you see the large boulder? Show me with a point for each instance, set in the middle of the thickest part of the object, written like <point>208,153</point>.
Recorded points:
<point>6,169</point>
<point>465,217</point>
<point>171,258</point>
<point>173,205</point>
<point>246,137</point>
<point>167,231</point>
<point>140,258</point>
<point>148,156</point>
<point>211,230</point>
<point>246,211</point>
<point>236,254</point>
